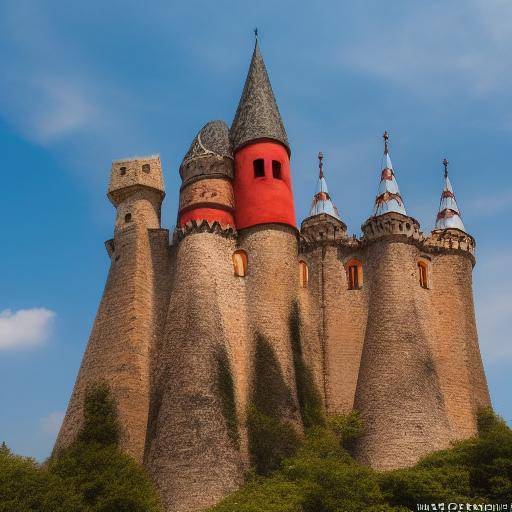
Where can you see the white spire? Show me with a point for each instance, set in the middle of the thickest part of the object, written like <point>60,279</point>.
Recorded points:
<point>449,214</point>
<point>322,202</point>
<point>388,196</point>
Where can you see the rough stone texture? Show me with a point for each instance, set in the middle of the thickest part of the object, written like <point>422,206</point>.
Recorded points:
<point>406,357</point>
<point>257,116</point>
<point>190,454</point>
<point>127,321</point>
<point>272,283</point>
<point>398,392</point>
<point>207,193</point>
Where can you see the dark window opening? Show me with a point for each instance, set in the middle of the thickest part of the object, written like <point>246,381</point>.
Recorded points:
<point>422,269</point>
<point>276,169</point>
<point>122,171</point>
<point>259,168</point>
<point>353,277</point>
<point>128,217</point>
<point>146,168</point>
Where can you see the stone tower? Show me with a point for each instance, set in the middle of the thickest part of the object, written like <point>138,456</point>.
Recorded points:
<point>128,319</point>
<point>265,221</point>
<point>228,316</point>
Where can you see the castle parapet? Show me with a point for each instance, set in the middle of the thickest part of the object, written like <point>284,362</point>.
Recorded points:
<point>202,226</point>
<point>322,229</point>
<point>391,224</point>
<point>451,241</point>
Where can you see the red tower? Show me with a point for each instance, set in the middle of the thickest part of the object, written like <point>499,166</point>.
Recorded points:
<point>262,185</point>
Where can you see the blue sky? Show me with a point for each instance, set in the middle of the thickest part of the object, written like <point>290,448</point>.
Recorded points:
<point>84,83</point>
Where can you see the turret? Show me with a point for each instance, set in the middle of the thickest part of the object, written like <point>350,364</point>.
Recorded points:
<point>388,196</point>
<point>207,174</point>
<point>449,214</point>
<point>136,189</point>
<point>324,222</point>
<point>263,187</point>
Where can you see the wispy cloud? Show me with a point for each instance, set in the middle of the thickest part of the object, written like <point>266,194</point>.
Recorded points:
<point>439,47</point>
<point>50,424</point>
<point>25,328</point>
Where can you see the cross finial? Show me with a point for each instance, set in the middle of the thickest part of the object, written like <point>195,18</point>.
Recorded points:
<point>256,33</point>
<point>385,136</point>
<point>445,163</point>
<point>321,164</point>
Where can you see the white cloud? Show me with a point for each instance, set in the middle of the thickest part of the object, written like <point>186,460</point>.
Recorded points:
<point>25,327</point>
<point>50,424</point>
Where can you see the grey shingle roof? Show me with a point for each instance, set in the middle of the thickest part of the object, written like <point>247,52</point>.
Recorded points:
<point>257,115</point>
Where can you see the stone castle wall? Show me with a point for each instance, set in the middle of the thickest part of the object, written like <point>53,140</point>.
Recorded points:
<point>399,394</point>
<point>192,456</point>
<point>118,351</point>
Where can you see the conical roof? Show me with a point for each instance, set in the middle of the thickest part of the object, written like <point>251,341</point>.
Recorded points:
<point>257,115</point>
<point>322,202</point>
<point>388,196</point>
<point>449,213</point>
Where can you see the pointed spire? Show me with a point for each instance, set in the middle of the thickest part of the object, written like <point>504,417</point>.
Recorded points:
<point>322,202</point>
<point>257,116</point>
<point>449,214</point>
<point>388,196</point>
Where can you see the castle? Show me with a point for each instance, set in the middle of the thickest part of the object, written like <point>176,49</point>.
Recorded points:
<point>385,322</point>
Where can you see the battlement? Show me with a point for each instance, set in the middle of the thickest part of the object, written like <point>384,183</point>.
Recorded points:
<point>391,224</point>
<point>202,226</point>
<point>451,240</point>
<point>128,174</point>
<point>321,229</point>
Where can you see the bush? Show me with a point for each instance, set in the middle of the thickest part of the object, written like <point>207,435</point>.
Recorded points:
<point>91,475</point>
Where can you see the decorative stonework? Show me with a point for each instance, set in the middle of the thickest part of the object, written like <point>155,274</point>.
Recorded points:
<point>389,225</point>
<point>203,226</point>
<point>449,241</point>
<point>320,229</point>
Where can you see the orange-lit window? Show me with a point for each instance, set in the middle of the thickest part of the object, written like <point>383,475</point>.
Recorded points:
<point>423,274</point>
<point>276,169</point>
<point>354,274</point>
<point>259,168</point>
<point>240,263</point>
<point>303,274</point>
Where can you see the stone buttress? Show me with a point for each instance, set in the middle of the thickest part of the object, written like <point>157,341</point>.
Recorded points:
<point>129,317</point>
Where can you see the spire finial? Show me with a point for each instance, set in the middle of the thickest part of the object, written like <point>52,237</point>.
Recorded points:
<point>445,163</point>
<point>256,34</point>
<point>385,136</point>
<point>320,164</point>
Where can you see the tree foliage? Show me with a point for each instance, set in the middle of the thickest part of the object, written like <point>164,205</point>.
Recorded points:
<point>91,475</point>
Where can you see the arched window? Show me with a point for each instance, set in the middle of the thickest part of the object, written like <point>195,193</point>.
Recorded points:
<point>276,169</point>
<point>354,270</point>
<point>259,168</point>
<point>240,263</point>
<point>303,274</point>
<point>423,274</point>
<point>128,217</point>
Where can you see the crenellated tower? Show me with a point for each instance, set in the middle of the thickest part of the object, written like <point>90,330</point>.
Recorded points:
<point>228,320</point>
<point>129,318</point>
<point>398,369</point>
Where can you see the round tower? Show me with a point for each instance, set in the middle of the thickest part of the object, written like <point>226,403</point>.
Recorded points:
<point>207,174</point>
<point>265,220</point>
<point>398,392</point>
<point>457,352</point>
<point>195,442</point>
